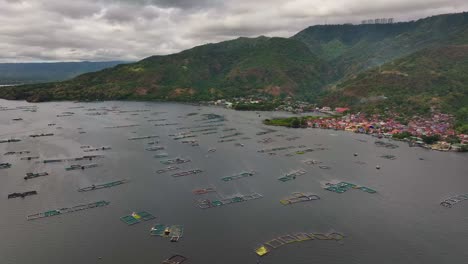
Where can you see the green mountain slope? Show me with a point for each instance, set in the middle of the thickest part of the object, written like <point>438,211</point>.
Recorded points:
<point>433,77</point>
<point>233,68</point>
<point>17,73</point>
<point>350,49</point>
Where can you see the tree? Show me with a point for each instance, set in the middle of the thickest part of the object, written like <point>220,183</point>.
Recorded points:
<point>295,123</point>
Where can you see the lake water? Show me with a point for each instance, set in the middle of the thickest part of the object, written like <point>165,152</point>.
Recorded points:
<point>402,223</point>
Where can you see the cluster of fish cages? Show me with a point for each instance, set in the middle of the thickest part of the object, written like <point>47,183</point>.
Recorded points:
<point>167,169</point>
<point>135,218</point>
<point>342,187</point>
<point>31,175</point>
<point>22,194</point>
<point>174,232</point>
<point>299,197</point>
<point>206,203</point>
<point>187,173</point>
<point>292,175</point>
<point>454,200</point>
<point>239,176</point>
<point>275,243</point>
<point>102,186</point>
<point>67,210</point>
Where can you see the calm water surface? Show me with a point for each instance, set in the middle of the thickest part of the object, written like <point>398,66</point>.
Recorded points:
<point>402,223</point>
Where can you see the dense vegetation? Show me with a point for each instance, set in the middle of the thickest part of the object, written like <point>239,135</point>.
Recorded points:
<point>233,68</point>
<point>294,122</point>
<point>18,73</point>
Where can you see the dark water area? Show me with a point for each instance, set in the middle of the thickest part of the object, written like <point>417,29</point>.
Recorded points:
<point>402,223</point>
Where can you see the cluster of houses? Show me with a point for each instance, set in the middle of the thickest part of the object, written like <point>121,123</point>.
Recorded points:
<point>437,124</point>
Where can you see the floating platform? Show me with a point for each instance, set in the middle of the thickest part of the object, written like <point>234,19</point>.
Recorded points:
<point>31,175</point>
<point>5,165</point>
<point>454,200</point>
<point>239,176</point>
<point>298,197</point>
<point>67,210</point>
<point>187,173</point>
<point>81,167</point>
<point>342,187</point>
<point>175,161</point>
<point>170,168</point>
<point>204,191</point>
<point>135,218</point>
<point>176,259</point>
<point>22,195</point>
<point>292,175</point>
<point>206,203</point>
<point>102,186</point>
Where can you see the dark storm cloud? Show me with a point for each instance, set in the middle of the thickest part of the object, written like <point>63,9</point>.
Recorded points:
<point>34,30</point>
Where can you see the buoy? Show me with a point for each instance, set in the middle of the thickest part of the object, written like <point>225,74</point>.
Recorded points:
<point>377,167</point>
<point>355,154</point>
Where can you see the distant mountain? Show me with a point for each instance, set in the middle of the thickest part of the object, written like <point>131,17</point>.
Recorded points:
<point>349,49</point>
<point>238,67</point>
<point>408,66</point>
<point>19,73</point>
<point>433,77</point>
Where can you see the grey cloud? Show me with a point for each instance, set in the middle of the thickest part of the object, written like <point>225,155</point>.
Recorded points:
<point>57,30</point>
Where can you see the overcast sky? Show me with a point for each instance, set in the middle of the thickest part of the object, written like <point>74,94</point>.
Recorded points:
<point>97,30</point>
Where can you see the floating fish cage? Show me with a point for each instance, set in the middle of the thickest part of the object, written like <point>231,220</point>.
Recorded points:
<point>31,175</point>
<point>98,149</point>
<point>30,158</point>
<point>172,231</point>
<point>265,132</point>
<point>385,144</point>
<point>186,173</point>
<point>10,140</point>
<point>278,149</point>
<point>166,124</point>
<point>209,133</point>
<point>454,200</point>
<point>298,197</point>
<point>342,187</point>
<point>206,203</point>
<point>161,155</point>
<point>227,140</point>
<point>22,195</point>
<point>102,186</point>
<point>67,210</point>
<point>176,259</point>
<point>175,161</point>
<point>5,165</point>
<point>143,137</point>
<point>390,157</point>
<point>312,162</point>
<point>292,175</point>
<point>17,152</point>
<point>155,148</point>
<point>292,238</point>
<point>204,191</point>
<point>122,126</point>
<point>232,135</point>
<point>41,135</point>
<point>239,176</point>
<point>81,167</point>
<point>167,169</point>
<point>135,218</point>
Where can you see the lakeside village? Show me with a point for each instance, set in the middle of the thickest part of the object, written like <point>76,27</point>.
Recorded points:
<point>435,132</point>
